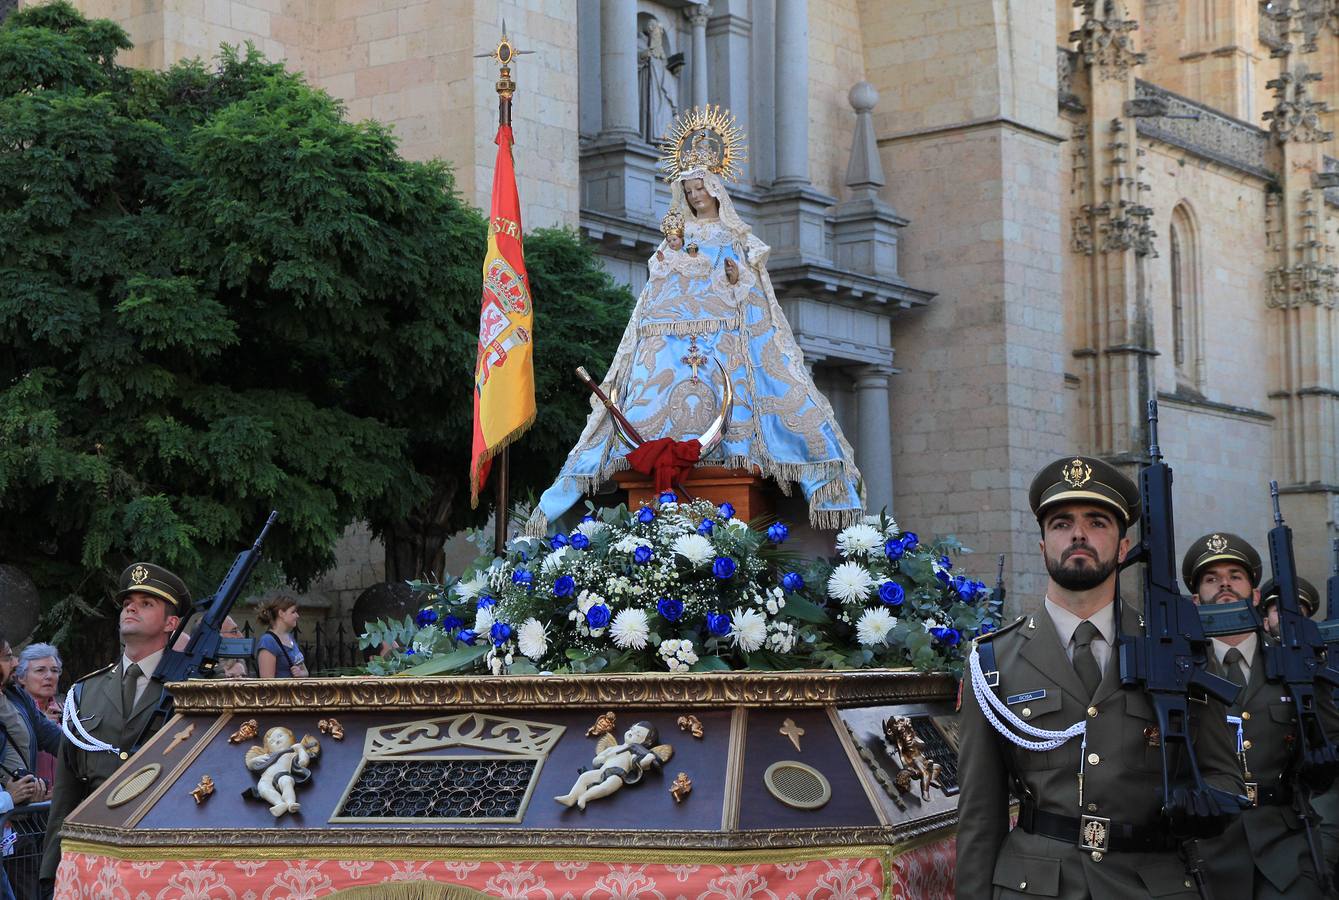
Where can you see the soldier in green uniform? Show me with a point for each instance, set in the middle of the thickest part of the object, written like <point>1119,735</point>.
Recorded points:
<point>1090,786</point>
<point>1264,853</point>
<point>113,705</point>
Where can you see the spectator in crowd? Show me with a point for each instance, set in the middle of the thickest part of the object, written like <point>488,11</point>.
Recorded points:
<point>39,675</point>
<point>228,668</point>
<point>23,732</point>
<point>278,655</point>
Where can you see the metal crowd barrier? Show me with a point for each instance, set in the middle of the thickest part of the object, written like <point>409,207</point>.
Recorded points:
<point>23,861</point>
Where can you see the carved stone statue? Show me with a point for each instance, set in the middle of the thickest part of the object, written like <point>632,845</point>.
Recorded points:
<point>657,106</point>
<point>618,764</point>
<point>283,763</point>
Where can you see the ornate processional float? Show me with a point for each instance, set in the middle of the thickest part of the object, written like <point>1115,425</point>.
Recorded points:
<point>655,699</point>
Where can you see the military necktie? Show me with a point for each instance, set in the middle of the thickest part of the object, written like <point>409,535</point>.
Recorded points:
<point>1232,661</point>
<point>129,682</point>
<point>1084,661</point>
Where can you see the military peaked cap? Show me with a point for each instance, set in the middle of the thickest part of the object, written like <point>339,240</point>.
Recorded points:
<point>1221,546</point>
<point>147,578</point>
<point>1307,595</point>
<point>1084,479</point>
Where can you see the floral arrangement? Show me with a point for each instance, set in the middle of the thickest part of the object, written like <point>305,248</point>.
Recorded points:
<point>683,587</point>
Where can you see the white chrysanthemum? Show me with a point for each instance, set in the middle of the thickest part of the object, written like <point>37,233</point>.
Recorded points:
<point>471,589</point>
<point>873,626</point>
<point>748,629</point>
<point>630,543</point>
<point>859,538</point>
<point>890,527</point>
<point>590,529</point>
<point>533,639</point>
<point>483,620</point>
<point>555,559</point>
<point>695,548</point>
<point>630,629</point>
<point>849,581</point>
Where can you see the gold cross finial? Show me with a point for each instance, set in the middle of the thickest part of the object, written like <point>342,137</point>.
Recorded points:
<point>792,731</point>
<point>504,54</point>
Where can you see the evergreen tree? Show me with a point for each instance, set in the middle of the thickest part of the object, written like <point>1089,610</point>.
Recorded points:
<point>218,296</point>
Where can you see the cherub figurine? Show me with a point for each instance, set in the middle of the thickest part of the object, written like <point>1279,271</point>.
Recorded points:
<point>618,764</point>
<point>283,764</point>
<point>900,737</point>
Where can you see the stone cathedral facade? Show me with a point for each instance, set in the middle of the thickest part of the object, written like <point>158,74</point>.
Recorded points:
<point>998,230</point>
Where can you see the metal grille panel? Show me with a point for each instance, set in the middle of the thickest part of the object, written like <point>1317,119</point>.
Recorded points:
<point>463,789</point>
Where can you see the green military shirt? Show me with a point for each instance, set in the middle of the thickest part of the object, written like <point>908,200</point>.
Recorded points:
<point>1122,776</point>
<point>78,772</point>
<point>1266,846</point>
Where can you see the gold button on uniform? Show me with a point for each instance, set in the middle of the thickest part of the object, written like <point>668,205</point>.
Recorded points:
<point>1245,715</point>
<point>1027,711</point>
<point>1097,856</point>
<point>1245,745</point>
<point>1092,712</point>
<point>1188,883</point>
<point>1022,885</point>
<point>1093,759</point>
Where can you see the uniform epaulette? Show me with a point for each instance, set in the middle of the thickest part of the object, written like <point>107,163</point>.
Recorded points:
<point>105,668</point>
<point>991,635</point>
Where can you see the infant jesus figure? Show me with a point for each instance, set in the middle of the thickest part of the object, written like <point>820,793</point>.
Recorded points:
<point>618,764</point>
<point>283,763</point>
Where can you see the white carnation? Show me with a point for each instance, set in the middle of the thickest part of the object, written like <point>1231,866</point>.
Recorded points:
<point>630,629</point>
<point>748,629</point>
<point>860,538</point>
<point>677,655</point>
<point>873,626</point>
<point>850,581</point>
<point>695,548</point>
<point>533,639</point>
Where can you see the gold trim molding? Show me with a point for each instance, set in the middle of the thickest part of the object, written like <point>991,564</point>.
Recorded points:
<point>873,687</point>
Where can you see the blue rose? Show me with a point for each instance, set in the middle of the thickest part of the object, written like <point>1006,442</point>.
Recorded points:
<point>485,601</point>
<point>645,515</point>
<point>563,586</point>
<point>580,541</point>
<point>642,555</point>
<point>778,533</point>
<point>949,636</point>
<point>792,581</point>
<point>597,616</point>
<point>707,527</point>
<point>588,518</point>
<point>962,585</point>
<point>945,562</point>
<point>451,623</point>
<point>522,576</point>
<point>942,577</point>
<point>718,624</point>
<point>468,636</point>
<point>500,633</point>
<point>727,511</point>
<point>410,651</point>
<point>670,609</point>
<point>425,617</point>
<point>558,541</point>
<point>986,628</point>
<point>909,540</point>
<point>668,497</point>
<point>891,593</point>
<point>893,549</point>
<point>723,567</point>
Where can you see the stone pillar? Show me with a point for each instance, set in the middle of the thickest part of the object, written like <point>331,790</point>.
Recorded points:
<point>792,92</point>
<point>618,68</point>
<point>874,447</point>
<point>697,16</point>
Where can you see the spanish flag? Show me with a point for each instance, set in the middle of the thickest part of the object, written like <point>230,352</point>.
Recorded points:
<point>504,373</point>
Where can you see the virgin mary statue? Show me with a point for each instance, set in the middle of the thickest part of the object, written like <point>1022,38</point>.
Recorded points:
<point>708,313</point>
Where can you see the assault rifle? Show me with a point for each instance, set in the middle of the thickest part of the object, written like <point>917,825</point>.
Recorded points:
<point>1329,628</point>
<point>1169,659</point>
<point>207,645</point>
<point>1297,660</point>
<point>995,605</point>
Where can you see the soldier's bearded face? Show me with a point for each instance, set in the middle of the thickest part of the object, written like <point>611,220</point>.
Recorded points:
<point>1225,582</point>
<point>1082,546</point>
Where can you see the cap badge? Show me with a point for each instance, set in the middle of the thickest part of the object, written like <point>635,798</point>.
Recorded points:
<point>1217,543</point>
<point>139,575</point>
<point>1077,473</point>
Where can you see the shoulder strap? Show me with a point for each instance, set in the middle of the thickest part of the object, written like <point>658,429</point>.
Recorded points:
<point>288,660</point>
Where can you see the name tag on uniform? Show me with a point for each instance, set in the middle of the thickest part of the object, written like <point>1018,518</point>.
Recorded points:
<point>1024,698</point>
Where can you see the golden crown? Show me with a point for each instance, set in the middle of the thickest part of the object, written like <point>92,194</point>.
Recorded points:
<point>672,223</point>
<point>703,139</point>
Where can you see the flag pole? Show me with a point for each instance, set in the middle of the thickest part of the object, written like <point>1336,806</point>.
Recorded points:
<point>502,479</point>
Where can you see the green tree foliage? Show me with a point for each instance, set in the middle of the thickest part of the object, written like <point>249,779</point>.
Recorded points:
<point>218,296</point>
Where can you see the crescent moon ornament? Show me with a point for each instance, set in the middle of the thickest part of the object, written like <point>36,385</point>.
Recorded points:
<point>714,433</point>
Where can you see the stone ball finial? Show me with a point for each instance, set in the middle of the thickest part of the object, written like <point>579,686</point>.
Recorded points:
<point>863,97</point>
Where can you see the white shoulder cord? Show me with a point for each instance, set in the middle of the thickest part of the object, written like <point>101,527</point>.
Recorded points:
<point>1049,739</point>
<point>70,724</point>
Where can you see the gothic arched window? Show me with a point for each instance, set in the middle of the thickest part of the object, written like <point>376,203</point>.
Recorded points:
<point>1187,354</point>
